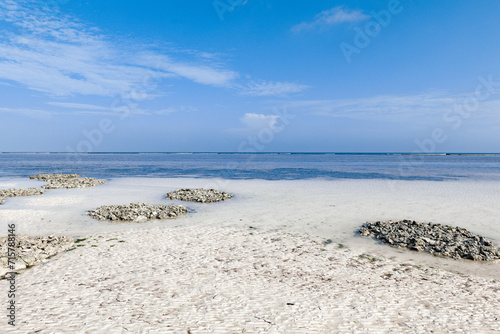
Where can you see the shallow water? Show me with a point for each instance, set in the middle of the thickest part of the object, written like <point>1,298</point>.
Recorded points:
<point>322,208</point>
<point>267,166</point>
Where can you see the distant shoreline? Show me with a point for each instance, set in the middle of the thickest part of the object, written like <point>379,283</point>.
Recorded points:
<point>263,153</point>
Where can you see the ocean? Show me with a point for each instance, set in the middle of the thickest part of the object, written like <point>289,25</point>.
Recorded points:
<point>324,195</point>
<point>265,166</point>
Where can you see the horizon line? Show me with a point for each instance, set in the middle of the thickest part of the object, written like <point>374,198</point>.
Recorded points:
<point>277,152</point>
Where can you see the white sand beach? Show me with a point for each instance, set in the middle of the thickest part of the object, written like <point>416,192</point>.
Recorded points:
<point>256,263</point>
<point>235,166</point>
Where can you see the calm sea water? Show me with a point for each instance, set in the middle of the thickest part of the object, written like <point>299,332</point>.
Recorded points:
<point>268,166</point>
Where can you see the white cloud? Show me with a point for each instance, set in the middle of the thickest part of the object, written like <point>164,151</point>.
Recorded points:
<point>252,123</point>
<point>258,121</point>
<point>198,73</point>
<point>47,51</point>
<point>270,88</point>
<point>331,17</point>
<point>59,56</point>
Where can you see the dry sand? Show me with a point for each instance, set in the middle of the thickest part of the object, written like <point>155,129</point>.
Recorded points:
<point>210,272</point>
<point>243,280</point>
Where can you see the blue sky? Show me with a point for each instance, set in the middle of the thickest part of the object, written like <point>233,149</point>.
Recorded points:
<point>249,75</point>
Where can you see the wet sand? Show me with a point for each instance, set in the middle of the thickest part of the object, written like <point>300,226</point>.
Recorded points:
<point>256,263</point>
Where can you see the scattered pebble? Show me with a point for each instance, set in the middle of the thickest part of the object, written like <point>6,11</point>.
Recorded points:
<point>437,239</point>
<point>137,212</point>
<point>199,195</point>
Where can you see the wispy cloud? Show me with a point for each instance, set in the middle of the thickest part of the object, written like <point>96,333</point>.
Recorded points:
<point>78,106</point>
<point>43,113</point>
<point>57,55</point>
<point>47,51</point>
<point>170,110</point>
<point>202,74</point>
<point>387,107</point>
<point>31,112</point>
<point>423,109</point>
<point>270,88</point>
<point>328,18</point>
<point>91,109</point>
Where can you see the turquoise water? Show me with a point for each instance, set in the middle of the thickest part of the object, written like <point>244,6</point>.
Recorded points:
<point>267,166</point>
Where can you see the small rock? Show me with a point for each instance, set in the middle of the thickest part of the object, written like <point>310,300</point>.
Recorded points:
<point>137,212</point>
<point>67,181</point>
<point>84,182</point>
<point>51,177</point>
<point>199,195</point>
<point>19,192</point>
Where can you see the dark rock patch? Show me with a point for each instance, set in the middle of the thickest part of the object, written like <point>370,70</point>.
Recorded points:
<point>30,251</point>
<point>137,212</point>
<point>19,192</point>
<point>83,182</point>
<point>199,195</point>
<point>437,239</point>
<point>51,177</point>
<point>67,181</point>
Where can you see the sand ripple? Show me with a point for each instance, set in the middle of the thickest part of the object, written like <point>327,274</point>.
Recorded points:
<point>208,279</point>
